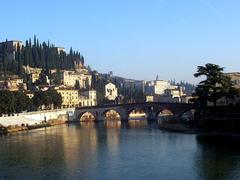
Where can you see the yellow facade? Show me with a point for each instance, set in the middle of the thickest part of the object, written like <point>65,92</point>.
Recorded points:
<point>149,99</point>
<point>70,97</point>
<point>34,77</point>
<point>73,98</point>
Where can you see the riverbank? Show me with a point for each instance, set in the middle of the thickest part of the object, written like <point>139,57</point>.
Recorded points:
<point>17,128</point>
<point>210,136</point>
<point>34,120</point>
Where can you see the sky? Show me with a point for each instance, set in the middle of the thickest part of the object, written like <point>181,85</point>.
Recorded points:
<point>135,39</point>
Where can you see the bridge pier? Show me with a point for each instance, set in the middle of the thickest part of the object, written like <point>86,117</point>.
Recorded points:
<point>150,108</point>
<point>151,117</point>
<point>99,116</point>
<point>124,117</point>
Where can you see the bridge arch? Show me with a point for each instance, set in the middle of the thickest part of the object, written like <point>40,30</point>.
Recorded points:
<point>62,117</point>
<point>111,115</point>
<point>165,112</point>
<point>136,112</point>
<point>87,116</point>
<point>188,115</point>
<point>187,111</point>
<point>150,109</point>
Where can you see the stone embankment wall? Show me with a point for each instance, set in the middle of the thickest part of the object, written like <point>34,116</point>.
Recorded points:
<point>37,117</point>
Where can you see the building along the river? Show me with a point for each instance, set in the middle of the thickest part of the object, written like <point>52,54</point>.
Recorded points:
<point>71,77</point>
<point>72,97</point>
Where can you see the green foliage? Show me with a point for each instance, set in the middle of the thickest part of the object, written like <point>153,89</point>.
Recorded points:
<point>7,102</point>
<point>4,59</point>
<point>131,94</point>
<point>57,77</point>
<point>38,55</point>
<point>14,102</point>
<point>47,98</point>
<point>22,101</point>
<point>87,86</point>
<point>42,78</point>
<point>215,86</point>
<point>77,85</point>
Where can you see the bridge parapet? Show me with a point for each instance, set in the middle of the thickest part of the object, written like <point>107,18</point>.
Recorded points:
<point>150,108</point>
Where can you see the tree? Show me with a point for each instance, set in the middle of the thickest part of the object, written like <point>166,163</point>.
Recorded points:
<point>14,102</point>
<point>87,84</point>
<point>7,102</point>
<point>4,57</point>
<point>22,102</point>
<point>47,98</point>
<point>215,86</point>
<point>38,99</point>
<point>57,77</point>
<point>19,61</point>
<point>77,85</point>
<point>42,78</point>
<point>56,98</point>
<point>38,55</point>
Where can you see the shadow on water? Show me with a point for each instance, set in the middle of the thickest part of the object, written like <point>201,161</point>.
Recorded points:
<point>218,157</point>
<point>113,150</point>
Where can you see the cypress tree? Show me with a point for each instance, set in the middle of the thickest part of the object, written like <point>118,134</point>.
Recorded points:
<point>19,60</point>
<point>4,50</point>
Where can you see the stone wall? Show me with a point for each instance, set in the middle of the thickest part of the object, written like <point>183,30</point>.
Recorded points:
<point>36,117</point>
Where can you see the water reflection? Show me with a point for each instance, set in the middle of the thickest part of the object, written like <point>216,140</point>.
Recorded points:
<point>88,124</point>
<point>20,150</point>
<point>218,157</point>
<point>115,150</point>
<point>112,124</point>
<point>120,124</point>
<point>137,123</point>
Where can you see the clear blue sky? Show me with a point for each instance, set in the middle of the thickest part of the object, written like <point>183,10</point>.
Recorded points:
<point>134,38</point>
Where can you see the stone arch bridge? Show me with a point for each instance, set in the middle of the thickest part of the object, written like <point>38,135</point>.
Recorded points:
<point>151,109</point>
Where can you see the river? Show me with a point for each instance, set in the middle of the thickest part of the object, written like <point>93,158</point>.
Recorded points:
<point>135,150</point>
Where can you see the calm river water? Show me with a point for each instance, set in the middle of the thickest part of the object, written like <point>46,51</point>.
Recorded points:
<point>135,150</point>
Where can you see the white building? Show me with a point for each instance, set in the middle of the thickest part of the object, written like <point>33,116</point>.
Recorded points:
<point>61,50</point>
<point>157,87</point>
<point>174,92</point>
<point>91,99</point>
<point>111,91</point>
<point>173,95</point>
<point>160,86</point>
